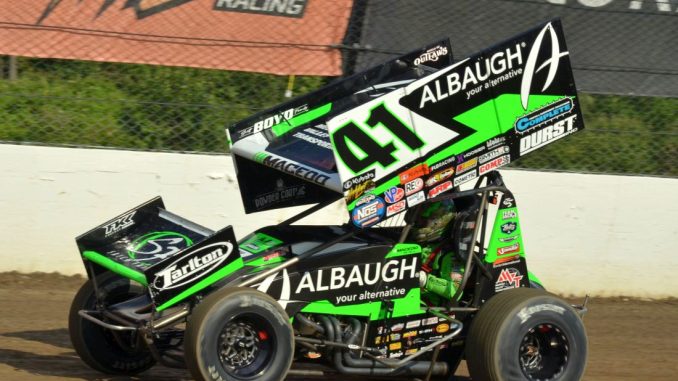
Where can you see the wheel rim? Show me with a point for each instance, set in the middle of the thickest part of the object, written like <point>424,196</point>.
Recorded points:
<point>246,346</point>
<point>544,352</point>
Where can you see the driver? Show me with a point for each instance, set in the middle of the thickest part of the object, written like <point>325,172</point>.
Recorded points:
<point>442,268</point>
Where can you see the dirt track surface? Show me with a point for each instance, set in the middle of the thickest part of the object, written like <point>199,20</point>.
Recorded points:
<point>628,339</point>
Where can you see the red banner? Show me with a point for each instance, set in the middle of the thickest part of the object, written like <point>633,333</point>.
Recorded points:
<point>269,36</point>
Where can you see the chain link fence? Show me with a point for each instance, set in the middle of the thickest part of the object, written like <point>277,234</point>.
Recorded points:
<point>175,108</point>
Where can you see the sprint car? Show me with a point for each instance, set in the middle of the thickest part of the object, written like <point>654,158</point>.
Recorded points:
<point>427,269</point>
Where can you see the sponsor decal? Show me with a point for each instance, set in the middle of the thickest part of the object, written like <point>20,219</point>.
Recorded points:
<point>411,351</point>
<point>526,313</point>
<point>508,202</point>
<point>285,290</point>
<point>368,213</point>
<point>395,336</point>
<point>414,186</point>
<point>430,321</point>
<point>367,274</point>
<point>288,8</point>
<point>119,224</point>
<point>438,165</point>
<point>395,208</point>
<point>425,331</point>
<point>508,239</point>
<point>508,278</point>
<point>464,178</point>
<point>272,120</point>
<point>192,266</point>
<point>394,194</point>
<point>508,249</point>
<point>442,328</point>
<point>398,327</point>
<point>494,153</point>
<point>157,245</point>
<point>416,199</point>
<point>544,115</point>
<point>547,134</point>
<point>414,172</point>
<point>531,65</point>
<point>395,354</point>
<point>487,71</point>
<point>444,187</point>
<point>508,227</point>
<point>439,176</point>
<point>295,169</point>
<point>320,142</point>
<point>431,55</point>
<point>273,255</point>
<point>502,262</point>
<point>494,164</point>
<point>465,166</point>
<point>471,153</point>
<point>409,334</point>
<point>279,195</point>
<point>365,199</point>
<point>413,324</point>
<point>260,242</point>
<point>358,191</point>
<point>498,64</point>
<point>495,141</point>
<point>358,180</point>
<point>508,214</point>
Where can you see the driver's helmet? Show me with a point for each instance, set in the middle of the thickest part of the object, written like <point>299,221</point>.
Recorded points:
<point>433,221</point>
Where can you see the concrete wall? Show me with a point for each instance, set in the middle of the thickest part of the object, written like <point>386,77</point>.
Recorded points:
<point>597,234</point>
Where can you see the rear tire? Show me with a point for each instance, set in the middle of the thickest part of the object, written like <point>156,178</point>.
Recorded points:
<point>238,334</point>
<point>526,334</point>
<point>96,345</point>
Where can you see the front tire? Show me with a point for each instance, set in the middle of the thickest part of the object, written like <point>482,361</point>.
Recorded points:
<point>526,334</point>
<point>119,353</point>
<point>239,334</point>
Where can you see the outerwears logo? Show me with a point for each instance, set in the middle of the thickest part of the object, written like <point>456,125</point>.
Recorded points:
<point>192,266</point>
<point>531,64</point>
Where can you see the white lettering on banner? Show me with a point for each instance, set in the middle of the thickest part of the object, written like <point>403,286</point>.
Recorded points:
<point>274,7</point>
<point>359,275</point>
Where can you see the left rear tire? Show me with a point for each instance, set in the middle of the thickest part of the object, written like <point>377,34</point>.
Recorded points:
<point>119,353</point>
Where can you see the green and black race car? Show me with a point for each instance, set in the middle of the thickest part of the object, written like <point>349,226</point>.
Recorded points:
<point>428,270</point>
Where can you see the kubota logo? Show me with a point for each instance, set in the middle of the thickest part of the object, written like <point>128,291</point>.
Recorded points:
<point>531,63</point>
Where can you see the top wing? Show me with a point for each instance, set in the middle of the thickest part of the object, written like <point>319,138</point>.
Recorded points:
<point>456,124</point>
